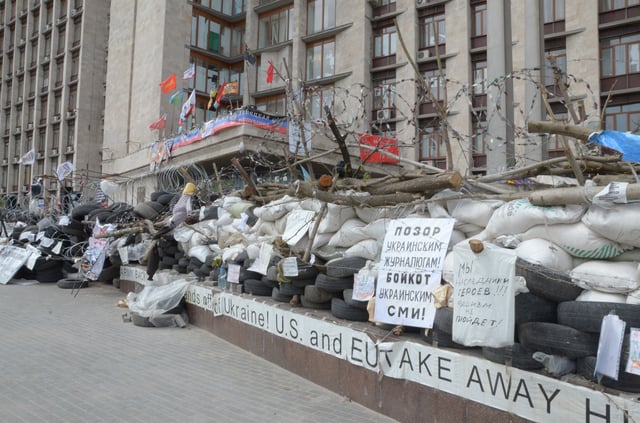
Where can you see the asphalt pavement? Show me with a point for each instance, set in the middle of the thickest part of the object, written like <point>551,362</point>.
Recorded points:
<point>72,358</point>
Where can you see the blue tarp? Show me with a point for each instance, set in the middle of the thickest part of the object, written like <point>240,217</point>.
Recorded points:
<point>624,142</point>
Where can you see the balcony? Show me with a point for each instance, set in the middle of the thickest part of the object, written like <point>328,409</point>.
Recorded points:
<point>76,11</point>
<point>45,59</point>
<point>5,161</point>
<point>56,118</point>
<point>18,130</point>
<point>47,28</point>
<point>69,149</point>
<point>19,100</point>
<point>54,152</point>
<point>71,114</point>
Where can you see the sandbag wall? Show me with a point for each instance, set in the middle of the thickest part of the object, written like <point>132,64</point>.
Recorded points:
<point>577,262</point>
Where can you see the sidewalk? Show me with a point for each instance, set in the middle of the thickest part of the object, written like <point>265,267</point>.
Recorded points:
<point>73,359</point>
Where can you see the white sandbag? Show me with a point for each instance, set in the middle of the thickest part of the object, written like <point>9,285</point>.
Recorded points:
<point>456,237</point>
<point>633,297</point>
<point>311,204</point>
<point>477,212</point>
<point>224,217</point>
<point>198,239</point>
<point>349,234</point>
<point>469,229</point>
<point>276,209</point>
<point>224,235</point>
<point>182,233</point>
<point>335,217</point>
<point>215,249</point>
<point>281,224</point>
<point>267,228</point>
<point>320,240</point>
<point>201,252</point>
<point>627,255</point>
<point>376,229</point>
<point>616,277</point>
<point>619,222</point>
<point>545,253</point>
<point>370,214</point>
<point>576,239</point>
<point>448,271</point>
<point>368,249</point>
<point>518,216</point>
<point>590,295</point>
<point>253,251</point>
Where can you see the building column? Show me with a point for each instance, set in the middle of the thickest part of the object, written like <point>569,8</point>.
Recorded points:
<point>500,144</point>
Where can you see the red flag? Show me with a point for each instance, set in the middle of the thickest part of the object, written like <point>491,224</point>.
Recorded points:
<point>168,84</point>
<point>159,124</point>
<point>270,70</point>
<point>389,145</point>
<point>220,92</point>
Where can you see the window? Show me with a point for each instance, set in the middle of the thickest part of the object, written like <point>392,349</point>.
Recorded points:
<point>553,11</point>
<point>620,55</point>
<point>384,41</point>
<point>623,118</point>
<point>432,31</point>
<point>434,85</point>
<point>555,61</point>
<point>479,77</point>
<point>321,59</point>
<point>61,42</point>
<point>318,98</point>
<point>479,19</point>
<point>432,146</point>
<point>607,5</point>
<point>275,27</point>
<point>321,15</point>
<point>70,134</point>
<point>384,96</point>
<point>479,135</point>
<point>276,105</point>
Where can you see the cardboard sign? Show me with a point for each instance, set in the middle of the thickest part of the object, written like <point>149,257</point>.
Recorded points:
<point>484,297</point>
<point>411,262</point>
<point>11,260</point>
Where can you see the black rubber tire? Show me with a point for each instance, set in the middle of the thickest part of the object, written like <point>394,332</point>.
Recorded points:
<point>347,295</point>
<point>334,284</point>
<point>438,338</point>
<point>69,283</point>
<point>79,212</point>
<point>317,295</point>
<point>165,199</point>
<point>49,276</point>
<point>443,320</point>
<point>305,271</point>
<point>531,308</point>
<point>587,315</point>
<point>268,282</point>
<point>276,295</point>
<point>248,274</point>
<point>168,260</point>
<point>43,264</point>
<point>521,356</point>
<point>289,289</point>
<point>316,306</point>
<point>552,338</point>
<point>109,273</point>
<point>547,283</point>
<point>155,194</point>
<point>148,210</point>
<point>342,310</point>
<point>301,283</point>
<point>345,267</point>
<point>626,381</point>
<point>115,259</point>
<point>272,273</point>
<point>140,320</point>
<point>257,287</point>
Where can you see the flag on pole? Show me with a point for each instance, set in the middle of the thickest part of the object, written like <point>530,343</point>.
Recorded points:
<point>29,158</point>
<point>159,124</point>
<point>168,84</point>
<point>189,73</point>
<point>188,107</point>
<point>270,71</point>
<point>219,95</point>
<point>231,88</point>
<point>64,170</point>
<point>212,97</point>
<point>177,97</point>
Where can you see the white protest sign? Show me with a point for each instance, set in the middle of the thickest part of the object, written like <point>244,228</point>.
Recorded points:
<point>233,274</point>
<point>262,261</point>
<point>124,254</point>
<point>290,267</point>
<point>364,285</point>
<point>610,346</point>
<point>298,222</point>
<point>633,365</point>
<point>484,297</point>
<point>11,260</point>
<point>410,268</point>
<point>34,254</point>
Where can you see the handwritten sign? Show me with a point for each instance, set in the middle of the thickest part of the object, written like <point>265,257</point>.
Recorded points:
<point>484,297</point>
<point>11,260</point>
<point>233,275</point>
<point>410,269</point>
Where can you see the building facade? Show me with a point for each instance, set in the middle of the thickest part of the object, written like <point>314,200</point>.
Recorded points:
<point>453,81</point>
<point>53,65</point>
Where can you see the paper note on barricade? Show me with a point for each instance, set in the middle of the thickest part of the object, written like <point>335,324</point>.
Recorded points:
<point>633,364</point>
<point>410,268</point>
<point>484,296</point>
